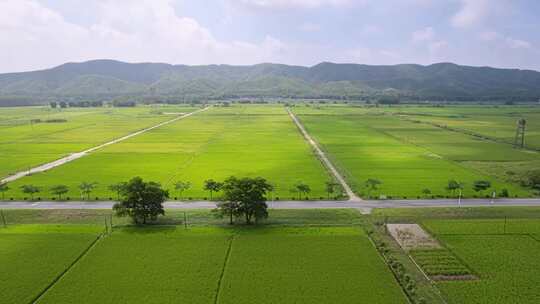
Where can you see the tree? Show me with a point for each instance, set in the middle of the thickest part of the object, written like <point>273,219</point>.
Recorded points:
<point>30,189</point>
<point>227,208</point>
<point>372,184</point>
<point>301,189</point>
<point>117,188</point>
<point>59,190</point>
<point>331,187</point>
<point>63,104</point>
<point>87,188</point>
<point>181,186</point>
<point>53,104</point>
<point>3,189</point>
<point>245,196</point>
<point>533,179</point>
<point>454,185</point>
<point>426,192</point>
<point>141,201</point>
<point>481,185</point>
<point>212,186</point>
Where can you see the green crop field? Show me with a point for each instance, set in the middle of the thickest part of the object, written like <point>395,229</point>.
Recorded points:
<point>408,156</point>
<point>32,256</point>
<point>239,140</point>
<point>36,135</point>
<point>213,265</point>
<point>309,265</point>
<point>502,255</point>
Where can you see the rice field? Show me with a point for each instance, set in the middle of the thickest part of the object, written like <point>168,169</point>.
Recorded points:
<point>215,265</point>
<point>30,136</point>
<point>32,256</point>
<point>502,253</point>
<point>215,144</point>
<point>412,159</point>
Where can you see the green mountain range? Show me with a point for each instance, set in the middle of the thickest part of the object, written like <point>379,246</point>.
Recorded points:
<point>106,79</point>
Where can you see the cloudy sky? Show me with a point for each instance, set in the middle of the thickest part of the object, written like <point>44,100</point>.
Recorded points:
<point>36,34</point>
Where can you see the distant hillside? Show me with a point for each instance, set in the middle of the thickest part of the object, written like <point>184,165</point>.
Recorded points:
<point>107,79</point>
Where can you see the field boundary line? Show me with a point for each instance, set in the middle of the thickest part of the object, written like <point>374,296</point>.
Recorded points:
<point>61,275</point>
<point>222,274</point>
<point>385,261</point>
<point>77,155</point>
<point>322,156</point>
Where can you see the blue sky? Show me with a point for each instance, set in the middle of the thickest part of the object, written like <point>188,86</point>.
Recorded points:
<point>36,34</point>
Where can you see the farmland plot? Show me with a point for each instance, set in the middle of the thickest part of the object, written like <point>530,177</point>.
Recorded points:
<point>32,256</point>
<point>307,265</point>
<point>392,151</point>
<point>152,265</point>
<point>503,256</point>
<point>218,143</point>
<point>33,136</point>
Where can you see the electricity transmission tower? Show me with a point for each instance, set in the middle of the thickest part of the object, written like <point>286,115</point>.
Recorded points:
<point>519,140</point>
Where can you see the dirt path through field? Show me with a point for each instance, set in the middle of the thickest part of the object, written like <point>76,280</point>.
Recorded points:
<point>352,196</point>
<point>78,155</point>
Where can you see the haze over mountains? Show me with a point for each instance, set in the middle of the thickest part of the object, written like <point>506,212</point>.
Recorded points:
<point>107,79</point>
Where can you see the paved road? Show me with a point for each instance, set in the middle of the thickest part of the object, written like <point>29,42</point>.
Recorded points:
<point>78,155</point>
<point>363,206</point>
<point>352,196</point>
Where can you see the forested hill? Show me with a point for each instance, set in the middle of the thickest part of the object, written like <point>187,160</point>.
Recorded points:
<point>102,79</point>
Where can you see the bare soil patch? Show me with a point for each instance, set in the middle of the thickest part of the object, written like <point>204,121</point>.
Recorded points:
<point>412,236</point>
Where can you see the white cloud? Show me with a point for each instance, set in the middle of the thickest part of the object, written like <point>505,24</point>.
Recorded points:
<point>310,27</point>
<point>490,36</point>
<point>509,41</point>
<point>425,34</point>
<point>146,30</point>
<point>437,46</point>
<point>288,4</point>
<point>371,29</point>
<point>470,13</point>
<point>517,43</point>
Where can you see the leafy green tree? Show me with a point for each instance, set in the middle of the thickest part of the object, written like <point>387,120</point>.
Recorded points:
<point>87,188</point>
<point>227,208</point>
<point>3,189</point>
<point>245,196</point>
<point>481,185</point>
<point>142,201</point>
<point>181,186</point>
<point>426,192</point>
<point>59,190</point>
<point>372,184</point>
<point>53,104</point>
<point>533,179</point>
<point>117,188</point>
<point>302,189</point>
<point>331,187</point>
<point>212,186</point>
<point>30,190</point>
<point>454,185</point>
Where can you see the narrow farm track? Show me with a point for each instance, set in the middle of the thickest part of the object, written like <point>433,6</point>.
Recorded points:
<point>78,155</point>
<point>322,156</point>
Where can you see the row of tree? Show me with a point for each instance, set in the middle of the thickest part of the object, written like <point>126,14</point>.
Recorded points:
<point>242,198</point>
<point>76,104</point>
<point>210,185</point>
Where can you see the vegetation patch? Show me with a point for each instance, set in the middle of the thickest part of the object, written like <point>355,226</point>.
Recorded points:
<point>441,264</point>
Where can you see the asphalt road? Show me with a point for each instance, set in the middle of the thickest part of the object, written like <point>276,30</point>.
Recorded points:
<point>363,206</point>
